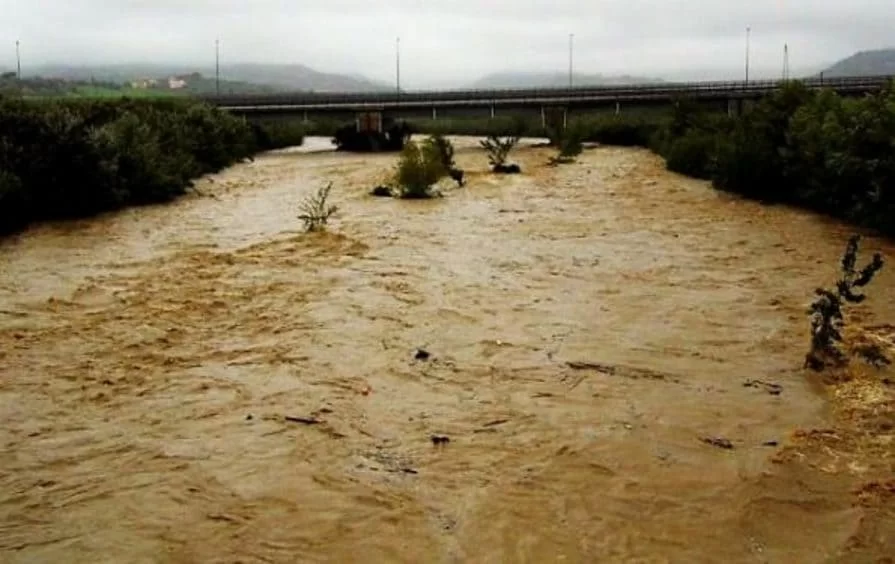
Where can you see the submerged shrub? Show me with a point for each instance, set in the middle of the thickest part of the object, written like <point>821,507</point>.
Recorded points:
<point>498,150</point>
<point>445,150</point>
<point>316,210</point>
<point>568,144</point>
<point>826,312</point>
<point>419,168</point>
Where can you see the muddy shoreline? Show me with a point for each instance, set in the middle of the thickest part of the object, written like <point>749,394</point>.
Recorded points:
<point>589,325</point>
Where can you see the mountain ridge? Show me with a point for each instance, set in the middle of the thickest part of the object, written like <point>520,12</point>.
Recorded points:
<point>864,63</point>
<point>535,79</point>
<point>277,76</point>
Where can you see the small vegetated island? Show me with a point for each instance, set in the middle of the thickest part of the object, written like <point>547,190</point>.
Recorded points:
<point>422,165</point>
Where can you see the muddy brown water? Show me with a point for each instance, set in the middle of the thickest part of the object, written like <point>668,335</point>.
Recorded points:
<point>588,324</point>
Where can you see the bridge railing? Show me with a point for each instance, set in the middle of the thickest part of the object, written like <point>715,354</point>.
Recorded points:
<point>665,89</point>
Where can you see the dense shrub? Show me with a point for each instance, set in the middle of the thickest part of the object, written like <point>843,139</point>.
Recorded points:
<point>691,154</point>
<point>445,150</point>
<point>567,140</point>
<point>72,158</point>
<point>620,130</point>
<point>419,167</point>
<point>278,134</point>
<point>504,126</point>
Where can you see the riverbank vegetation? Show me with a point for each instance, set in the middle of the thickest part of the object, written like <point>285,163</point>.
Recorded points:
<point>73,158</point>
<point>815,150</point>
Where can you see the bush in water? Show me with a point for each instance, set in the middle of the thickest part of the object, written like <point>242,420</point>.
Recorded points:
<point>445,151</point>
<point>826,312</point>
<point>498,151</point>
<point>568,143</point>
<point>419,167</point>
<point>73,158</point>
<point>316,210</point>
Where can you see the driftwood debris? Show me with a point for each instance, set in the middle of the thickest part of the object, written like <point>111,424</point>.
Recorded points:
<point>303,420</point>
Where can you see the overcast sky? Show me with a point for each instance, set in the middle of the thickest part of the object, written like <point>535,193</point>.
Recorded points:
<point>452,40</point>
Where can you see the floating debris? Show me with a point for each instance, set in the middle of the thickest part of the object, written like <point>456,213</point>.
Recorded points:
<point>303,420</point>
<point>719,442</point>
<point>769,387</point>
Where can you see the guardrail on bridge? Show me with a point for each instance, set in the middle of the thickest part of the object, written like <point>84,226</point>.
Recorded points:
<point>525,96</point>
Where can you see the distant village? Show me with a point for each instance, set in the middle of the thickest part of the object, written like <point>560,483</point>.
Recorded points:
<point>177,82</point>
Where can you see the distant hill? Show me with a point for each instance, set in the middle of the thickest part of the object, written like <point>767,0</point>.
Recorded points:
<point>554,79</point>
<point>186,85</point>
<point>864,63</point>
<point>267,76</point>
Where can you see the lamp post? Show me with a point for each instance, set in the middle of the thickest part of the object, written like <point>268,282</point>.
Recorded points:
<point>748,33</point>
<point>785,61</point>
<point>217,66</point>
<point>571,47</point>
<point>398,66</point>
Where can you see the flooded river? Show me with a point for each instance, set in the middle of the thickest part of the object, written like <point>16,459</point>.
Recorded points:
<point>202,382</point>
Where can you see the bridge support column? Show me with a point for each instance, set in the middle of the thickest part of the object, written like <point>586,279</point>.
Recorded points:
<point>434,114</point>
<point>734,108</point>
<point>492,111</point>
<point>618,108</point>
<point>306,116</point>
<point>543,118</point>
<point>565,118</point>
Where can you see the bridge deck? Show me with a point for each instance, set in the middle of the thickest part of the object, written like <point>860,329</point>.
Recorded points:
<point>530,96</point>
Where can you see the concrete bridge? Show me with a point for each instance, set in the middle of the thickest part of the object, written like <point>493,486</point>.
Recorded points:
<point>489,103</point>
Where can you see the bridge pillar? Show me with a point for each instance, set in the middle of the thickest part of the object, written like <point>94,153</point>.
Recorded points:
<point>434,114</point>
<point>734,107</point>
<point>543,118</point>
<point>306,116</point>
<point>565,118</point>
<point>492,111</point>
<point>618,108</point>
<point>368,121</point>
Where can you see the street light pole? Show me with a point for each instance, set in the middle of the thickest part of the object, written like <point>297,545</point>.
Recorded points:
<point>571,46</point>
<point>748,33</point>
<point>217,66</point>
<point>785,61</point>
<point>398,66</point>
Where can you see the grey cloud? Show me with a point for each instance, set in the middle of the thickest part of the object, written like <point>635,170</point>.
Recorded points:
<point>451,41</point>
